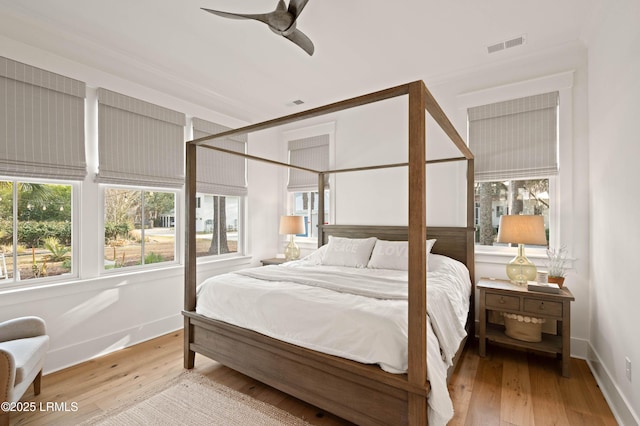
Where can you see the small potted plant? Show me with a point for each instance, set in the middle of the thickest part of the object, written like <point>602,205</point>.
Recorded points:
<point>557,265</point>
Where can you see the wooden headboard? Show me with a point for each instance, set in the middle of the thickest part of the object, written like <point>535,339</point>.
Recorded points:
<point>455,242</point>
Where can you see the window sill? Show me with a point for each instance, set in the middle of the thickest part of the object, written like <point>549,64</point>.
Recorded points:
<point>26,293</point>
<point>231,260</point>
<point>500,256</point>
<point>29,291</point>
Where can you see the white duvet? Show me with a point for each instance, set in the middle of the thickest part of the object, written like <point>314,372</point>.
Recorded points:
<point>355,313</point>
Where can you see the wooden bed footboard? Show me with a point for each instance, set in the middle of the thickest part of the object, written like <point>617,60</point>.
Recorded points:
<point>363,394</point>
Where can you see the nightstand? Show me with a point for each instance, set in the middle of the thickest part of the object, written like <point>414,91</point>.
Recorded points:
<point>503,296</point>
<point>273,261</point>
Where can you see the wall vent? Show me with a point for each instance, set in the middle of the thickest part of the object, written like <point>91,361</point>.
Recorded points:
<point>518,41</point>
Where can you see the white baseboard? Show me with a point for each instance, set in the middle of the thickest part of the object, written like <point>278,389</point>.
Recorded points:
<point>579,348</point>
<point>622,410</point>
<point>77,353</point>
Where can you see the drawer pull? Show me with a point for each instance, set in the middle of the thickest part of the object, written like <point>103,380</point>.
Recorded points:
<point>542,306</point>
<point>502,301</point>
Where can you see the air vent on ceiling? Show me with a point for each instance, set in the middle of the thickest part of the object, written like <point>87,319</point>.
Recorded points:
<point>518,41</point>
<point>295,103</point>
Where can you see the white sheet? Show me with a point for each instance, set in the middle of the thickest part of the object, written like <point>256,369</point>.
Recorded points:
<point>363,329</point>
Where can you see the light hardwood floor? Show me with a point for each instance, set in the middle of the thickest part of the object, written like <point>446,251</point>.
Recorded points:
<point>505,388</point>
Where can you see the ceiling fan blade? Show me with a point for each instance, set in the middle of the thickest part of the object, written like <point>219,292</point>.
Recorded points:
<point>262,17</point>
<point>281,6</point>
<point>296,6</point>
<point>299,38</point>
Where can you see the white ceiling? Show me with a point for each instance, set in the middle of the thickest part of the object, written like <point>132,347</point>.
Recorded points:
<point>241,69</point>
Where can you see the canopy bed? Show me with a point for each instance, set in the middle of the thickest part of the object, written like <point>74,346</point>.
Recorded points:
<point>361,393</point>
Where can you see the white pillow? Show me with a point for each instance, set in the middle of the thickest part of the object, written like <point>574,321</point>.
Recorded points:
<point>354,252</point>
<point>390,255</point>
<point>394,255</point>
<point>315,257</point>
<point>430,244</point>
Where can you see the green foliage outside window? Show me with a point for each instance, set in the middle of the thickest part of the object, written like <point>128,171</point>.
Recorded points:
<point>35,228</point>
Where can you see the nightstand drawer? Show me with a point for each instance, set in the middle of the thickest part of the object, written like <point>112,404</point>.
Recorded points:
<point>501,301</point>
<point>543,307</point>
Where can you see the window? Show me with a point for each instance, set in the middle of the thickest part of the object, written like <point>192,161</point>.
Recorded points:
<point>310,152</point>
<point>306,204</point>
<point>139,227</point>
<point>494,199</point>
<point>221,183</point>
<point>516,147</point>
<point>42,139</point>
<point>218,225</point>
<point>139,144</point>
<point>35,230</point>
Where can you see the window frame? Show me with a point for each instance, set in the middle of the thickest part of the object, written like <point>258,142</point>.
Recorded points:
<point>75,231</point>
<point>177,252</point>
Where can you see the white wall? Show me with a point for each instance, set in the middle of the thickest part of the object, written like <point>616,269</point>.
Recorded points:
<point>371,135</point>
<point>614,149</point>
<point>96,314</point>
<point>266,199</point>
<point>377,134</point>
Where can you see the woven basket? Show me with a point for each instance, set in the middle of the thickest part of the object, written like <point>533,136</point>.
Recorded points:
<point>521,327</point>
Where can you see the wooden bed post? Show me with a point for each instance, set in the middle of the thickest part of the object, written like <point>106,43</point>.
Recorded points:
<point>471,214</point>
<point>320,209</point>
<point>417,371</point>
<point>190,252</point>
<point>471,242</point>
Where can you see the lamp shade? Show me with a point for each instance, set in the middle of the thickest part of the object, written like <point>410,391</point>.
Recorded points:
<point>522,229</point>
<point>291,225</point>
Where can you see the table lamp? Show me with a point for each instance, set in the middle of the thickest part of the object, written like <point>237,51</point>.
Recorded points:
<point>291,225</point>
<point>521,230</point>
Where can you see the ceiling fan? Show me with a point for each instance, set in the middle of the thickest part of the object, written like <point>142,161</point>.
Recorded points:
<point>281,21</point>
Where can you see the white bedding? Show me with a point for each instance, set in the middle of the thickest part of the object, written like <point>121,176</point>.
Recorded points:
<point>346,322</point>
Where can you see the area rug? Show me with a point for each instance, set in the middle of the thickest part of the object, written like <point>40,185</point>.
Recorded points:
<point>195,400</point>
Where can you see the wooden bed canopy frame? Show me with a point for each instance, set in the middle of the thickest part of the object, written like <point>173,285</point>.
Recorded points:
<point>360,393</point>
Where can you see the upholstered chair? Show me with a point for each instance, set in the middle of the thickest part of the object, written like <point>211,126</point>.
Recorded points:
<point>23,346</point>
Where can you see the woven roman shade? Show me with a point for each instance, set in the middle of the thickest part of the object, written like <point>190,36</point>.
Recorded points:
<point>311,153</point>
<point>41,123</point>
<point>217,172</point>
<point>139,143</point>
<point>516,138</point>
